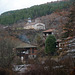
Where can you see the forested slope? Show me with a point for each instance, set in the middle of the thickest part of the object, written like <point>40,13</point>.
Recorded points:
<point>11,17</point>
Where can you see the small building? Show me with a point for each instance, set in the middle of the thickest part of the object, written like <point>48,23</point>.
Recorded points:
<point>26,51</point>
<point>64,44</point>
<point>48,32</point>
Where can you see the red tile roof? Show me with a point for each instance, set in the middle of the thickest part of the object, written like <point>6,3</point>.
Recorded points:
<point>49,30</point>
<point>58,40</point>
<point>69,38</point>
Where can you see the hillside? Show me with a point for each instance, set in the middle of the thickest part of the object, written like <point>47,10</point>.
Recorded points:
<point>54,20</point>
<point>10,17</point>
<point>60,61</point>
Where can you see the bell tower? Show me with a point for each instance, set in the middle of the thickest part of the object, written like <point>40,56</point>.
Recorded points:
<point>29,20</point>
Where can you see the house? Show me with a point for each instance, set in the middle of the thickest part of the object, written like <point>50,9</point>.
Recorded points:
<point>37,25</point>
<point>48,32</point>
<point>26,51</point>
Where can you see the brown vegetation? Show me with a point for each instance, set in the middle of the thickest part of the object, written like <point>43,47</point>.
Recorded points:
<point>50,67</point>
<point>73,72</point>
<point>6,72</point>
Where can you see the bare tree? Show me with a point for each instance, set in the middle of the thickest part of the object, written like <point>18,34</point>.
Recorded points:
<point>6,52</point>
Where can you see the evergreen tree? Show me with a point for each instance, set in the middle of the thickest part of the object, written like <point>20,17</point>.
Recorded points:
<point>50,45</point>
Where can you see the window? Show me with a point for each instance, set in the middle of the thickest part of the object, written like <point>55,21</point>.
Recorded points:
<point>32,50</point>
